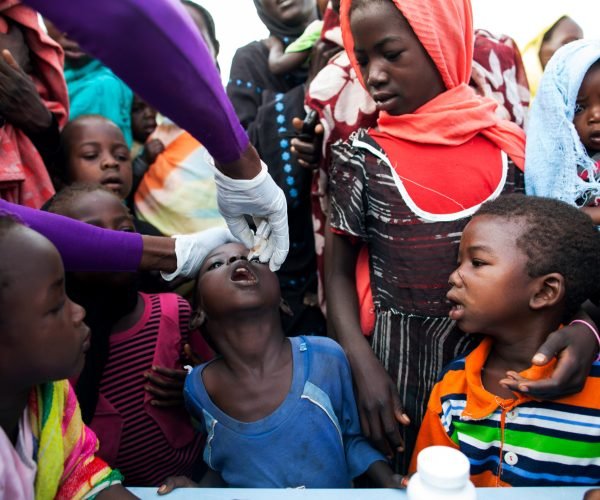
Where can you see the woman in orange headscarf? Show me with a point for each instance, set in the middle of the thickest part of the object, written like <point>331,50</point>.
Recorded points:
<point>407,189</point>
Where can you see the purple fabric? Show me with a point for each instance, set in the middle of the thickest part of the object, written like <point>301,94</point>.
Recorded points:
<point>83,247</point>
<point>155,48</point>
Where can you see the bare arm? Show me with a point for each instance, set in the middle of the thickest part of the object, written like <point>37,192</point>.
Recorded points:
<point>284,62</point>
<point>115,492</point>
<point>379,406</point>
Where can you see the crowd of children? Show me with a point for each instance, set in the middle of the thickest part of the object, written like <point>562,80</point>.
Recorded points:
<point>460,260</point>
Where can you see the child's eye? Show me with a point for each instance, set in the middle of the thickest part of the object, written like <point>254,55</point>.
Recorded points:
<point>392,56</point>
<point>477,263</point>
<point>256,260</point>
<point>578,108</point>
<point>89,156</point>
<point>58,308</point>
<point>214,265</point>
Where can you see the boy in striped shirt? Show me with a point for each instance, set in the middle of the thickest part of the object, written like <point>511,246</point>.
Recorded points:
<point>525,266</point>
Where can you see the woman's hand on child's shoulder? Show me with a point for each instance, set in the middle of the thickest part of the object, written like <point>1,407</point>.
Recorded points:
<point>576,348</point>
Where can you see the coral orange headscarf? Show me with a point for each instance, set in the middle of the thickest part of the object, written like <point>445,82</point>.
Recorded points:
<point>445,29</point>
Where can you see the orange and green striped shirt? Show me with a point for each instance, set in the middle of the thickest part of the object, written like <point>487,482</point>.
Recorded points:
<point>514,442</point>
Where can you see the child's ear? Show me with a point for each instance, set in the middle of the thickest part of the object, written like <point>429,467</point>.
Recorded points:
<point>549,291</point>
<point>198,319</point>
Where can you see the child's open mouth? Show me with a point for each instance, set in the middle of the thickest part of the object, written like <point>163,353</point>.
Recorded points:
<point>242,275</point>
<point>456,312</point>
<point>595,138</point>
<point>113,182</point>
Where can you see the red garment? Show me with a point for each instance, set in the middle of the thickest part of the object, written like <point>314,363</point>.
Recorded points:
<point>445,28</point>
<point>23,175</point>
<point>498,72</point>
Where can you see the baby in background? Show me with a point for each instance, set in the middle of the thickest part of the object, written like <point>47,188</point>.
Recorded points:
<point>563,137</point>
<point>525,265</point>
<point>283,60</point>
<point>279,412</point>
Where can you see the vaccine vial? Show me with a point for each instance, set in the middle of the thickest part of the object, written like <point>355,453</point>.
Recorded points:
<point>442,474</point>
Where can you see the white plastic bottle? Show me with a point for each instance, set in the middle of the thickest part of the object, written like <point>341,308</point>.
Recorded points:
<point>442,474</point>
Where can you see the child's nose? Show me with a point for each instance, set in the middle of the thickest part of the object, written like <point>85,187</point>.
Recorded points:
<point>376,75</point>
<point>236,258</point>
<point>78,313</point>
<point>108,161</point>
<point>595,113</point>
<point>455,279</point>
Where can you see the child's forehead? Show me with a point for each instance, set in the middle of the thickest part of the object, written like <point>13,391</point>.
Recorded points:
<point>228,249</point>
<point>96,127</point>
<point>503,230</point>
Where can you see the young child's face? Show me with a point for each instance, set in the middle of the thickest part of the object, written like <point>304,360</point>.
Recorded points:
<point>103,209</point>
<point>567,31</point>
<point>143,119</point>
<point>229,283</point>
<point>490,288</point>
<point>398,72</point>
<point>98,154</point>
<point>200,23</point>
<point>587,110</point>
<point>43,336</point>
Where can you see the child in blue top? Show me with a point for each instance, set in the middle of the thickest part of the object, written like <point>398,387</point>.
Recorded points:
<point>563,137</point>
<point>279,412</point>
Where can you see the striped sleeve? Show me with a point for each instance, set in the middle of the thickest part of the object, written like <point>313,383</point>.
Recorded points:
<point>431,433</point>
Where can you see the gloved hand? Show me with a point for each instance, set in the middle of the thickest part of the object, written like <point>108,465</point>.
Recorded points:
<point>192,249</point>
<point>262,199</point>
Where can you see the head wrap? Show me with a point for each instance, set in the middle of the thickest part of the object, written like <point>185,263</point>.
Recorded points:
<point>531,57</point>
<point>554,149</point>
<point>24,178</point>
<point>276,27</point>
<point>445,29</point>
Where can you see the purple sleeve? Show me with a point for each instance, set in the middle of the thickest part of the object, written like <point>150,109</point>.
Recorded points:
<point>83,247</point>
<point>155,48</point>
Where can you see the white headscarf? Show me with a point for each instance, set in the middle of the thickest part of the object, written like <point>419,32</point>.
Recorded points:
<point>554,150</point>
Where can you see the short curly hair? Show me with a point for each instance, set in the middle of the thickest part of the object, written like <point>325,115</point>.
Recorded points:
<point>557,238</point>
<point>61,202</point>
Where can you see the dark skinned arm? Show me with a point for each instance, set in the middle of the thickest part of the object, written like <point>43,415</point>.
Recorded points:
<point>115,492</point>
<point>383,476</point>
<point>211,479</point>
<point>576,348</point>
<point>379,405</point>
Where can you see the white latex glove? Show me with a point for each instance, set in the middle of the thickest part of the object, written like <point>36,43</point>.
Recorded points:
<point>192,249</point>
<point>262,199</point>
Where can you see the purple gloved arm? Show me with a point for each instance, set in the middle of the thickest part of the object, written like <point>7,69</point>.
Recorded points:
<point>155,48</point>
<point>83,247</point>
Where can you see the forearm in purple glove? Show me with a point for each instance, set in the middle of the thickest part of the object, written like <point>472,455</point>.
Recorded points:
<point>83,247</point>
<point>144,40</point>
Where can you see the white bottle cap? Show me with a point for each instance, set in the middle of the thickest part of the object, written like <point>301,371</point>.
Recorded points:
<point>443,467</point>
